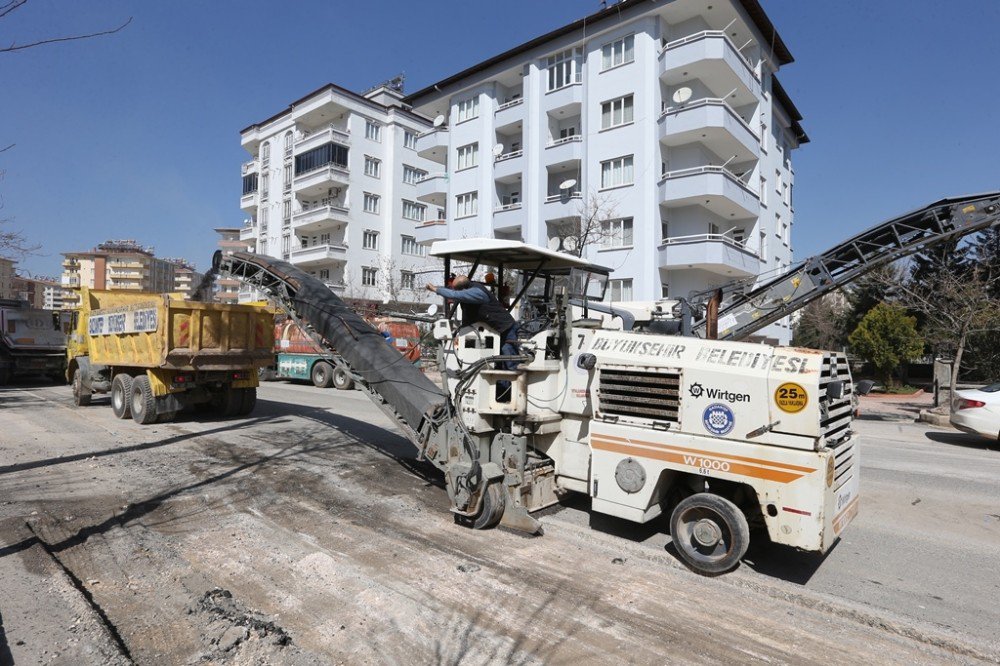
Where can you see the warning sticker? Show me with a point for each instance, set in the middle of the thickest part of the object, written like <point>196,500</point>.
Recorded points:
<point>791,398</point>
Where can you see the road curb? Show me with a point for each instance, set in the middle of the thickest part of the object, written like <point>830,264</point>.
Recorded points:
<point>927,416</point>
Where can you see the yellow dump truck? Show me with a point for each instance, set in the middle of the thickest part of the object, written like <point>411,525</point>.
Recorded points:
<point>157,353</point>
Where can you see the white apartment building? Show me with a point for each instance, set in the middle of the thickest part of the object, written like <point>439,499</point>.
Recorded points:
<point>332,188</point>
<point>661,120</point>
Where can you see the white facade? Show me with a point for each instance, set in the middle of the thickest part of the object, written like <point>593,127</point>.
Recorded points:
<point>661,120</point>
<point>326,190</point>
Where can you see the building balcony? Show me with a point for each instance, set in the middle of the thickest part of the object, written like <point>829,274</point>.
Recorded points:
<point>433,188</point>
<point>711,57</point>
<point>318,181</point>
<point>712,187</point>
<point>562,205</point>
<point>249,233</point>
<point>248,202</point>
<point>248,167</point>
<point>713,123</point>
<point>433,144</point>
<point>563,150</point>
<point>715,253</point>
<point>309,140</point>
<point>320,218</point>
<point>318,255</point>
<point>509,113</point>
<point>508,217</point>
<point>508,165</point>
<point>431,231</point>
<point>566,98</point>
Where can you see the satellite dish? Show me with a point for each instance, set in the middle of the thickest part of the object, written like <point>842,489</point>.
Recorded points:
<point>554,243</point>
<point>569,243</point>
<point>498,150</point>
<point>682,95</point>
<point>432,309</point>
<point>567,184</point>
<point>439,120</point>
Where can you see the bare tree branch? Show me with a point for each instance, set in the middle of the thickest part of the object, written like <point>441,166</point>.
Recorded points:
<point>10,6</point>
<point>14,47</point>
<point>6,148</point>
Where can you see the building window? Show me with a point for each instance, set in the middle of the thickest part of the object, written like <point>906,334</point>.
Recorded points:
<point>373,167</point>
<point>263,246</point>
<point>287,178</point>
<point>369,276</point>
<point>330,153</point>
<point>620,290</point>
<point>467,204</point>
<point>763,191</point>
<point>265,153</point>
<point>249,183</point>
<point>616,112</point>
<point>371,203</point>
<point>563,69</point>
<point>324,274</point>
<point>468,156</point>
<point>373,131</point>
<point>412,248</point>
<point>763,136</point>
<point>664,290</point>
<point>786,189</point>
<point>664,230</point>
<point>288,143</point>
<point>618,52</point>
<point>616,172</point>
<point>468,108</point>
<point>286,244</point>
<point>409,140</point>
<point>370,240</point>
<point>263,218</point>
<point>616,233</point>
<point>265,184</point>
<point>412,175</point>
<point>286,212</point>
<point>406,280</point>
<point>777,181</point>
<point>414,211</point>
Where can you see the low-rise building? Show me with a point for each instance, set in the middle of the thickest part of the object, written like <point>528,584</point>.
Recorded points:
<point>116,264</point>
<point>228,290</point>
<point>7,278</point>
<point>186,276</point>
<point>40,292</point>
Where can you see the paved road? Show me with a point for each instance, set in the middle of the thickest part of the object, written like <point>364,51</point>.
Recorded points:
<point>315,524</point>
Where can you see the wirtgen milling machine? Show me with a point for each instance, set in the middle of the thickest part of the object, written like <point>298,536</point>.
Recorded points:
<point>724,435</point>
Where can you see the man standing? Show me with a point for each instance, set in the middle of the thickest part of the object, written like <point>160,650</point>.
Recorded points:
<point>479,304</point>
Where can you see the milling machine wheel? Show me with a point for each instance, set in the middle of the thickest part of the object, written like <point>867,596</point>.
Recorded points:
<point>492,508</point>
<point>710,533</point>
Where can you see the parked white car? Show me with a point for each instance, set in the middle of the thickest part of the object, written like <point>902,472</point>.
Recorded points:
<point>977,411</point>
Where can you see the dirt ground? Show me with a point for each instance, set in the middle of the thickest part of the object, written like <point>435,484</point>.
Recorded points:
<point>308,534</point>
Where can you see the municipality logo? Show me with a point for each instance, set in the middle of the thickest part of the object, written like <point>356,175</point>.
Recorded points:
<point>718,419</point>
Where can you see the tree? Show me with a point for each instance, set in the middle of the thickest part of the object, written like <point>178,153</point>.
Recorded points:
<point>823,324</point>
<point>6,8</point>
<point>887,337</point>
<point>592,228</point>
<point>868,291</point>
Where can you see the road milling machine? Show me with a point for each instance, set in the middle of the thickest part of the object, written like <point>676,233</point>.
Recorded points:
<point>647,416</point>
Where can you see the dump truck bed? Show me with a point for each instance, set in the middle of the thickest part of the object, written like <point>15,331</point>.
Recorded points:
<point>146,330</point>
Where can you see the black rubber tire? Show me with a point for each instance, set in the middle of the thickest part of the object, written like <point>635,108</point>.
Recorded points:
<point>342,381</point>
<point>232,401</point>
<point>322,374</point>
<point>718,518</point>
<point>143,401</point>
<point>121,396</point>
<point>5,375</point>
<point>492,507</point>
<point>249,401</point>
<point>166,416</point>
<point>81,395</point>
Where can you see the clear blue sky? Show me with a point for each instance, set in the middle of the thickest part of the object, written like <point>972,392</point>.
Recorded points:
<point>137,135</point>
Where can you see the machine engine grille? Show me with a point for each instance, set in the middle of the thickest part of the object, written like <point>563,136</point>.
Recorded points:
<point>835,414</point>
<point>650,396</point>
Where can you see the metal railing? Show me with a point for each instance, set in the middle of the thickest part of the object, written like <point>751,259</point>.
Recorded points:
<point>509,103</point>
<point>443,128</point>
<point>566,139</point>
<point>712,34</point>
<point>431,176</point>
<point>708,238</point>
<point>508,156</point>
<point>709,169</point>
<point>562,196</point>
<point>510,206</point>
<point>709,101</point>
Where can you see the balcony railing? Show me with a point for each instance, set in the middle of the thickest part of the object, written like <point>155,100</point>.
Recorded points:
<point>710,101</point>
<point>509,156</point>
<point>705,238</point>
<point>710,34</point>
<point>248,167</point>
<point>507,206</point>
<point>561,196</point>
<point>694,171</point>
<point>509,103</point>
<point>566,139</point>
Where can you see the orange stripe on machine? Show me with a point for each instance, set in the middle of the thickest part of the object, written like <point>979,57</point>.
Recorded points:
<point>847,515</point>
<point>727,456</point>
<point>697,459</point>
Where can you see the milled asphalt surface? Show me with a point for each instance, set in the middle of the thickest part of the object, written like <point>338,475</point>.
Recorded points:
<point>322,527</point>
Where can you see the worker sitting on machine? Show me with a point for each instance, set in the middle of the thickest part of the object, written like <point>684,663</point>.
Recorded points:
<point>480,304</point>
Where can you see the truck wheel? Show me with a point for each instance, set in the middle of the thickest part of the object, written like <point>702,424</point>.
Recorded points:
<point>143,401</point>
<point>4,376</point>
<point>710,533</point>
<point>121,395</point>
<point>249,401</point>
<point>81,394</point>
<point>491,511</point>
<point>232,401</point>
<point>342,381</point>
<point>322,374</point>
